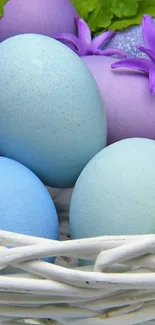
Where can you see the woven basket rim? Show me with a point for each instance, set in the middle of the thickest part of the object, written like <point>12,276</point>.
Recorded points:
<point>119,288</point>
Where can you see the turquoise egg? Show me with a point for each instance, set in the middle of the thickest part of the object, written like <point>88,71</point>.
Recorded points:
<point>52,117</point>
<point>115,193</point>
<point>26,206</point>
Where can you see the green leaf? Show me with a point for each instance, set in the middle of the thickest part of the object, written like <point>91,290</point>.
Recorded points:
<point>84,7</point>
<point>113,14</point>
<point>124,8</point>
<point>1,11</point>
<point>100,18</point>
<point>3,2</point>
<point>124,23</point>
<point>145,7</point>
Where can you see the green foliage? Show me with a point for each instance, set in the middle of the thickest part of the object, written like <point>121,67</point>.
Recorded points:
<point>2,3</point>
<point>96,20</point>
<point>124,8</point>
<point>113,14</point>
<point>109,14</point>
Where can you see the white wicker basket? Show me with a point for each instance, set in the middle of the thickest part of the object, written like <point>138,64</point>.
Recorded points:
<point>119,289</point>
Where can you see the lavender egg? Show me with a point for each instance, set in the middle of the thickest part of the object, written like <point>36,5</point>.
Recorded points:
<point>47,17</point>
<point>130,106</point>
<point>127,40</point>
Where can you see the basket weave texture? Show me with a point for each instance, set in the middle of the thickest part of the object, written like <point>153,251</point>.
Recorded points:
<point>118,289</point>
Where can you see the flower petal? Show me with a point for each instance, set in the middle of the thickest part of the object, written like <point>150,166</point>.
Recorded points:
<point>148,29</point>
<point>98,41</point>
<point>111,51</point>
<point>152,80</point>
<point>149,52</point>
<point>72,42</point>
<point>140,64</point>
<point>84,32</point>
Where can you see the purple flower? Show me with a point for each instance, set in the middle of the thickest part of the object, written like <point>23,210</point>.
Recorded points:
<point>146,66</point>
<point>83,44</point>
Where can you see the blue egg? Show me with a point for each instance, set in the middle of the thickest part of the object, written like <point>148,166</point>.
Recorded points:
<point>52,117</point>
<point>127,40</point>
<point>115,193</point>
<point>26,206</point>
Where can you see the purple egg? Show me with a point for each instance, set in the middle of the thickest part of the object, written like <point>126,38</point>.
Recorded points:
<point>47,17</point>
<point>130,106</point>
<point>127,40</point>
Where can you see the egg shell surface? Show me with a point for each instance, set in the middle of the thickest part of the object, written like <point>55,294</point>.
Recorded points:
<point>52,117</point>
<point>127,40</point>
<point>47,17</point>
<point>26,206</point>
<point>115,193</point>
<point>130,106</point>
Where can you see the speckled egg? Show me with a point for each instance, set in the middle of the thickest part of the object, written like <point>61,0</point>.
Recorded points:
<point>45,17</point>
<point>115,193</point>
<point>127,40</point>
<point>26,206</point>
<point>129,104</point>
<point>52,117</point>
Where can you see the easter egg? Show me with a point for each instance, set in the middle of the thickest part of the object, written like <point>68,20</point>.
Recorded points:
<point>127,40</point>
<point>45,17</point>
<point>115,193</point>
<point>130,106</point>
<point>52,117</point>
<point>26,206</point>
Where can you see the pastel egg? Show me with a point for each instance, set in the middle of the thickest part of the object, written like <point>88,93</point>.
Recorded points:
<point>127,40</point>
<point>52,117</point>
<point>130,106</point>
<point>26,206</point>
<point>115,193</point>
<point>47,17</point>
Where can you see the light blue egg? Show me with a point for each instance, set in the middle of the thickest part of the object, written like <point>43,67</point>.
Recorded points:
<point>115,193</point>
<point>26,206</point>
<point>127,40</point>
<point>52,117</point>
